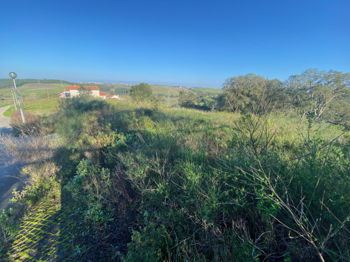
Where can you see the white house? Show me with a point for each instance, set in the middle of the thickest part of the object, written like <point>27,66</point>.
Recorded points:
<point>75,90</point>
<point>113,97</point>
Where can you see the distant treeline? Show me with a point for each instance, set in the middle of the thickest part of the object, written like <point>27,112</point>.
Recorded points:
<point>5,83</point>
<point>321,95</point>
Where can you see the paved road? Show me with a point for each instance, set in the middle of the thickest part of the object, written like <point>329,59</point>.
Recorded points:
<point>4,121</point>
<point>9,168</point>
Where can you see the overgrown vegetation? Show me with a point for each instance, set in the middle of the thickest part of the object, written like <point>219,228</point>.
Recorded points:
<point>174,185</point>
<point>40,186</point>
<point>138,182</point>
<point>141,92</point>
<point>322,95</point>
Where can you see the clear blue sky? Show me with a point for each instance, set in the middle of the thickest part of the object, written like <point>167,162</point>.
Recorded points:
<point>186,42</point>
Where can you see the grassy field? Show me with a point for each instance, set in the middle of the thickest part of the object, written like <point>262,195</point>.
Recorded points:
<point>168,94</point>
<point>206,91</point>
<point>7,83</point>
<point>37,98</point>
<point>42,98</point>
<point>40,106</point>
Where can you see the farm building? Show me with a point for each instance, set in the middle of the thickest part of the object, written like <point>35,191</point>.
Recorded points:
<point>75,90</point>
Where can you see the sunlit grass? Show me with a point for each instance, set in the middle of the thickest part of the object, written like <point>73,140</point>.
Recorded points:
<point>42,106</point>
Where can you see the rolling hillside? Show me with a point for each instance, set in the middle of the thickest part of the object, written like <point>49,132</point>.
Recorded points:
<point>43,94</point>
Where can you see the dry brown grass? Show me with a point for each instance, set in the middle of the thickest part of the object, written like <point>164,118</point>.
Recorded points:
<point>28,150</point>
<point>33,156</point>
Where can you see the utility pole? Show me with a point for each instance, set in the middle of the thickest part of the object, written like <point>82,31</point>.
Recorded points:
<point>17,98</point>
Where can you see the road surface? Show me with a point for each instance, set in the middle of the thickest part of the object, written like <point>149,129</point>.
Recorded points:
<point>4,121</point>
<point>9,169</point>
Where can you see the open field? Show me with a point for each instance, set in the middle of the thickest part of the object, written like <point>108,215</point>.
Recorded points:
<point>167,94</point>
<point>7,83</point>
<point>40,106</point>
<point>37,98</point>
<point>42,98</point>
<point>206,91</point>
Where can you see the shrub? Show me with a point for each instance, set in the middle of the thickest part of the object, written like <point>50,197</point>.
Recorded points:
<point>33,125</point>
<point>141,92</point>
<point>144,184</point>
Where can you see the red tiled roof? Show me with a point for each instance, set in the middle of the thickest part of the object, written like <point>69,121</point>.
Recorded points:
<point>103,93</point>
<point>75,87</point>
<point>92,87</point>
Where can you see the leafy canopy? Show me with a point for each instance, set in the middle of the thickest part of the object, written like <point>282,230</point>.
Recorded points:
<point>141,92</point>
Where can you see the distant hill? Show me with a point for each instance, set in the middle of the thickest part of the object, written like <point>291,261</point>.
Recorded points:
<point>159,90</point>
<point>39,88</point>
<point>169,94</point>
<point>112,88</point>
<point>5,83</point>
<point>206,90</point>
<point>117,88</point>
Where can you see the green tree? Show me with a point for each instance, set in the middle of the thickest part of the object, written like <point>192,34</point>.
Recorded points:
<point>315,92</point>
<point>190,99</point>
<point>187,99</point>
<point>141,92</point>
<point>249,94</point>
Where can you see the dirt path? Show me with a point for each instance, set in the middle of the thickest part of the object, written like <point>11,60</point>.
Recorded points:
<point>40,236</point>
<point>4,121</point>
<point>9,169</point>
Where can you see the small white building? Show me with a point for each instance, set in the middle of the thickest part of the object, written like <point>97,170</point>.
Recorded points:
<point>75,90</point>
<point>103,95</point>
<point>113,97</point>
